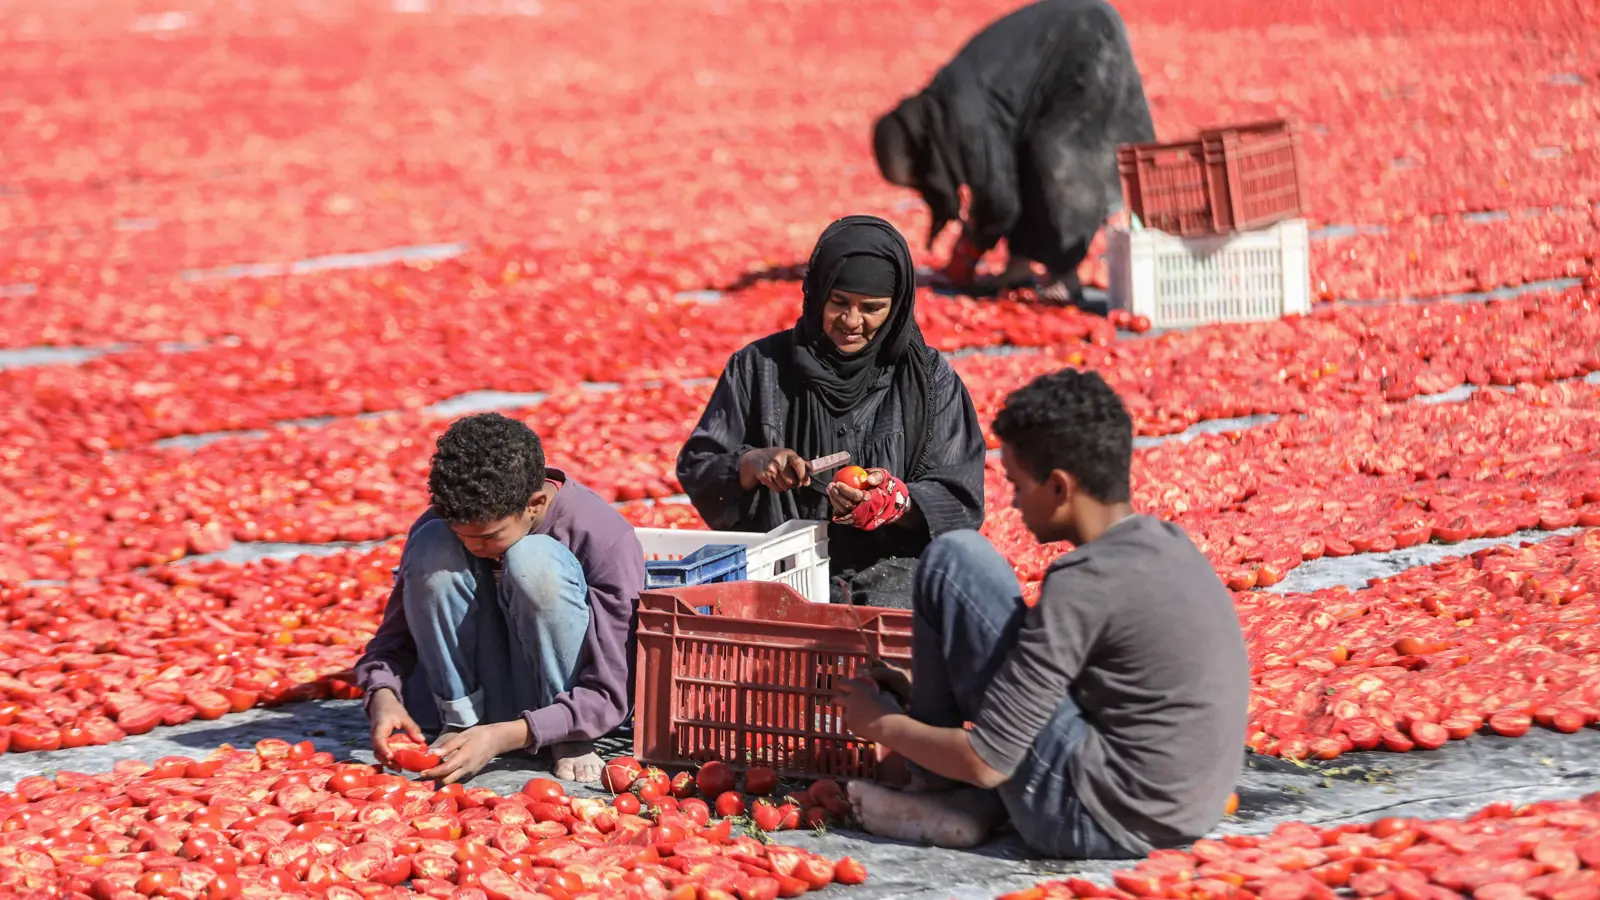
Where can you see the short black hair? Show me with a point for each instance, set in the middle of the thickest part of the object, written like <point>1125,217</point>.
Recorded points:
<point>1075,422</point>
<point>485,467</point>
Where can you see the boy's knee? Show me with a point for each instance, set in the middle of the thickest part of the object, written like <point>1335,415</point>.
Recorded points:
<point>435,548</point>
<point>955,548</point>
<point>542,573</point>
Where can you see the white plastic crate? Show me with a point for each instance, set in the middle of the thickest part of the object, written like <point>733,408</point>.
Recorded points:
<point>1243,277</point>
<point>795,553</point>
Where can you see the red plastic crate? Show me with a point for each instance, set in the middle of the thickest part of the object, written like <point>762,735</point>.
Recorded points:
<point>1237,178</point>
<point>753,682</point>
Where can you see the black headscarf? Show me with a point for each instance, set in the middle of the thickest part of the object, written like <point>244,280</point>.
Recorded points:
<point>860,251</point>
<point>907,142</point>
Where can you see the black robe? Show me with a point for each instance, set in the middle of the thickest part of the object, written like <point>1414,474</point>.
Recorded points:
<point>1029,116</point>
<point>750,409</point>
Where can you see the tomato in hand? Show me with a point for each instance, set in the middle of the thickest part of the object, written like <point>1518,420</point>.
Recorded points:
<point>852,477</point>
<point>413,759</point>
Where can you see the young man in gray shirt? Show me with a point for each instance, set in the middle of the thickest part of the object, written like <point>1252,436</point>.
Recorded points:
<point>1108,720</point>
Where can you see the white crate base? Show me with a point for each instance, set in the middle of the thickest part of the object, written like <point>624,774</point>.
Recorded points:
<point>1179,282</point>
<point>795,553</point>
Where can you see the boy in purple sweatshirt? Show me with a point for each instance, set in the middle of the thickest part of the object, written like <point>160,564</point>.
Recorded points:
<point>511,622</point>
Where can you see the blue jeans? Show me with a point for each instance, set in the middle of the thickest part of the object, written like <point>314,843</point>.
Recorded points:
<point>967,609</point>
<point>488,652</point>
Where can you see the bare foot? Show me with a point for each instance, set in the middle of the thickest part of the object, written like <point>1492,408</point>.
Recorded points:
<point>576,761</point>
<point>954,820</point>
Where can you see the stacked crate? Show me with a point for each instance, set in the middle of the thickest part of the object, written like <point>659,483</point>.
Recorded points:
<point>1216,234</point>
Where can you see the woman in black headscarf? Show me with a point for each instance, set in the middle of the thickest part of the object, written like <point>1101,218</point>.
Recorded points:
<point>1028,116</point>
<point>853,374</point>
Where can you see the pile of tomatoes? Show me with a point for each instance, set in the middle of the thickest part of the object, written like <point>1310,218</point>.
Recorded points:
<point>288,820</point>
<point>1498,641</point>
<point>113,186</point>
<point>80,508</point>
<point>93,662</point>
<point>1548,850</point>
<point>587,254</point>
<point>369,358</point>
<point>711,791</point>
<point>1261,501</point>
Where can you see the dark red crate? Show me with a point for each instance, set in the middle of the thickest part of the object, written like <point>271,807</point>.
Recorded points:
<point>753,681</point>
<point>1236,178</point>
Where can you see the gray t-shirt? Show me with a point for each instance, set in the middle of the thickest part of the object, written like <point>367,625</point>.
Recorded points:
<point>1137,627</point>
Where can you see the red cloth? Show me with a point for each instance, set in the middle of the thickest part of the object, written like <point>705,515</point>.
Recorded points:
<point>883,504</point>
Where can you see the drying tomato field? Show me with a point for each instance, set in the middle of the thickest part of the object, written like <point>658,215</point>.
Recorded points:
<point>272,236</point>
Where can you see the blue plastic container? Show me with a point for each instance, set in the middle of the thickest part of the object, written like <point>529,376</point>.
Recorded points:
<point>708,565</point>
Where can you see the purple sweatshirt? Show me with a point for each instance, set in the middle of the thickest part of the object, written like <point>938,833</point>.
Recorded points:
<point>613,565</point>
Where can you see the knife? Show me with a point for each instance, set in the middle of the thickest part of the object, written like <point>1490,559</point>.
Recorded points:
<point>831,461</point>
<point>824,464</point>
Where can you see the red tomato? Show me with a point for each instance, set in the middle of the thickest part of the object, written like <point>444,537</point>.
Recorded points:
<point>35,737</point>
<point>825,789</point>
<point>852,477</point>
<point>816,872</point>
<point>544,789</point>
<point>765,816</point>
<point>696,810</point>
<point>757,888</point>
<point>434,865</point>
<point>848,871</point>
<point>619,774</point>
<point>415,760</point>
<point>715,779</point>
<point>1429,736</point>
<point>760,781</point>
<point>563,880</point>
<point>225,886</point>
<point>158,882</point>
<point>730,805</point>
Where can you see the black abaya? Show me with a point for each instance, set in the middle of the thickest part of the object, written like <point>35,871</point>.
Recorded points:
<point>1028,115</point>
<point>905,410</point>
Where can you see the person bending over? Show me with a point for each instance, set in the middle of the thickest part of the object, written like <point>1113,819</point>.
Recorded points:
<point>1028,117</point>
<point>1108,719</point>
<point>853,374</point>
<point>511,619</point>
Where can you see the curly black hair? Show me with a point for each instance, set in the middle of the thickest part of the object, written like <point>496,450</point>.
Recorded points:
<point>1075,422</point>
<point>485,467</point>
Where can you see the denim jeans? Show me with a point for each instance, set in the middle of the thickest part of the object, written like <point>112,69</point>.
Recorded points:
<point>967,611</point>
<point>486,652</point>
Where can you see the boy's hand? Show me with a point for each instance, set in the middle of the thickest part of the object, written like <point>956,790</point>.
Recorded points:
<point>389,715</point>
<point>467,752</point>
<point>866,706</point>
<point>894,681</point>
